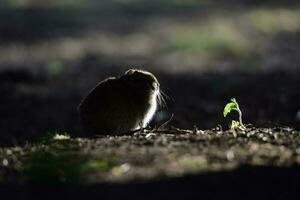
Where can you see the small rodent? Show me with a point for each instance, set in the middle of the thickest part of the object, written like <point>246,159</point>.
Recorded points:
<point>119,105</point>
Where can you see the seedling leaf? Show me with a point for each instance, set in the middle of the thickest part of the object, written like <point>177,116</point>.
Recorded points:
<point>234,101</point>
<point>228,108</point>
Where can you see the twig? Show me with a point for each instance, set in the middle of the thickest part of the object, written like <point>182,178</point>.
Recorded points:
<point>166,122</point>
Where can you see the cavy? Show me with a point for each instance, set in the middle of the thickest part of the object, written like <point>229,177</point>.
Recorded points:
<point>119,105</point>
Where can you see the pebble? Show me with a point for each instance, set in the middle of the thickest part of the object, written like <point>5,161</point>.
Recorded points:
<point>5,162</point>
<point>230,155</point>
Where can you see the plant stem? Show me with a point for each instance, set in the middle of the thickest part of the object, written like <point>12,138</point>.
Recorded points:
<point>240,116</point>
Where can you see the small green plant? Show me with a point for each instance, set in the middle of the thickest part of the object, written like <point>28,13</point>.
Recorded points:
<point>63,136</point>
<point>233,105</point>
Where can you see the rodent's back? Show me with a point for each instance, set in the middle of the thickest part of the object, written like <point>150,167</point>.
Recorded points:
<point>112,107</point>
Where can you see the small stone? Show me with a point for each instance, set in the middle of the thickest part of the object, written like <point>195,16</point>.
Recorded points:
<point>5,162</point>
<point>9,152</point>
<point>230,155</point>
<point>150,135</point>
<point>125,167</point>
<point>120,170</point>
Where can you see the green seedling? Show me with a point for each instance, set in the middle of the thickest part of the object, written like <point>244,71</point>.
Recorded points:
<point>58,136</point>
<point>233,105</point>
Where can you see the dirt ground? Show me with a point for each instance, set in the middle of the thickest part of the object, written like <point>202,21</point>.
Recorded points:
<point>169,163</point>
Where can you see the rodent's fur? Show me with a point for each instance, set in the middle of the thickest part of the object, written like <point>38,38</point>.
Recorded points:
<point>119,105</point>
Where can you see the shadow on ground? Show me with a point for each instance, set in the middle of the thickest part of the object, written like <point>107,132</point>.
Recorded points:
<point>243,183</point>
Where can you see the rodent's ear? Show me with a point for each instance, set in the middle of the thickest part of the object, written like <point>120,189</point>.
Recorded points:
<point>130,71</point>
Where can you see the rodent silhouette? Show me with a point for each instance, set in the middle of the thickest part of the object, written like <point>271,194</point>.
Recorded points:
<point>119,105</point>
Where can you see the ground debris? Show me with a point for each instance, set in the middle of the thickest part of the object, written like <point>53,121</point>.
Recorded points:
<point>149,154</point>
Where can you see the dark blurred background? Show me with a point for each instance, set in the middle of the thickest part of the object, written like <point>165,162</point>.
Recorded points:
<point>203,52</point>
